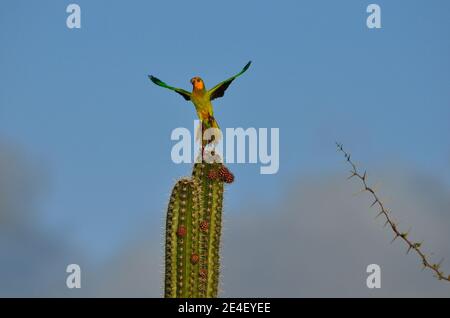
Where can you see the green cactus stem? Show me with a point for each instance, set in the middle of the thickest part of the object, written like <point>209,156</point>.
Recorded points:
<point>193,230</point>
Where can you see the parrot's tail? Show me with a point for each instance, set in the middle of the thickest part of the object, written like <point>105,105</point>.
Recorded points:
<point>209,130</point>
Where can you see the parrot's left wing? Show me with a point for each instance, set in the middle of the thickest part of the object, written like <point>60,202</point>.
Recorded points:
<point>182,92</point>
<point>219,90</point>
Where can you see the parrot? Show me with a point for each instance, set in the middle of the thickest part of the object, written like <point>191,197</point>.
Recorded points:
<point>202,97</point>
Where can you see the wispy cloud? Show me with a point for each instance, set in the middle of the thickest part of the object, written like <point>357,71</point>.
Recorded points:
<point>32,262</point>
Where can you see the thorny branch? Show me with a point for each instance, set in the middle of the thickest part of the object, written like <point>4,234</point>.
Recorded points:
<point>404,236</point>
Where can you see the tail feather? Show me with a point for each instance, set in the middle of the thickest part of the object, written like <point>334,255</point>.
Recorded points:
<point>206,124</point>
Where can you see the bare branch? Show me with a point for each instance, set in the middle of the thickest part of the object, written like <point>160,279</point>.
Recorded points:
<point>404,236</point>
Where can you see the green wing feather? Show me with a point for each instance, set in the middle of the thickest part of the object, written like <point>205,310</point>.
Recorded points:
<point>182,92</point>
<point>219,90</point>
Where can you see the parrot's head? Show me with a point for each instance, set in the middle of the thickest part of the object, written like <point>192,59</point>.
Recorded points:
<point>197,83</point>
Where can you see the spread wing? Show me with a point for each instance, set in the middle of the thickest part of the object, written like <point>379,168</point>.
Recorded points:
<point>219,90</point>
<point>182,92</point>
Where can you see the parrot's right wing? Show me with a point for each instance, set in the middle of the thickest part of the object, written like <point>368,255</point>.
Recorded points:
<point>182,92</point>
<point>219,90</point>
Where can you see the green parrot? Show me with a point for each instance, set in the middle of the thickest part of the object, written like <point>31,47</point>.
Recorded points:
<point>201,98</point>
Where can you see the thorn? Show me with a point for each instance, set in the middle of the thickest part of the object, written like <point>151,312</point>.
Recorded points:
<point>379,214</point>
<point>374,202</point>
<point>393,240</point>
<point>364,176</point>
<point>409,249</point>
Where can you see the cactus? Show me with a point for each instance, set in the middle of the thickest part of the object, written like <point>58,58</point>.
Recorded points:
<point>193,230</point>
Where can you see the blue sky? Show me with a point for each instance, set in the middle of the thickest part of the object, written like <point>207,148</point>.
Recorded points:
<point>79,104</point>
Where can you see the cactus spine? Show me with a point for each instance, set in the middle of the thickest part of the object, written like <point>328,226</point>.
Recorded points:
<point>193,229</point>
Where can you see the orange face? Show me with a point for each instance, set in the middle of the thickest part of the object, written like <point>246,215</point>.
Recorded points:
<point>197,82</point>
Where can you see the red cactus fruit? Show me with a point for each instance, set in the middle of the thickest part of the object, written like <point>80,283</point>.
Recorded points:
<point>181,231</point>
<point>204,226</point>
<point>225,175</point>
<point>213,174</point>
<point>203,273</point>
<point>194,259</point>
